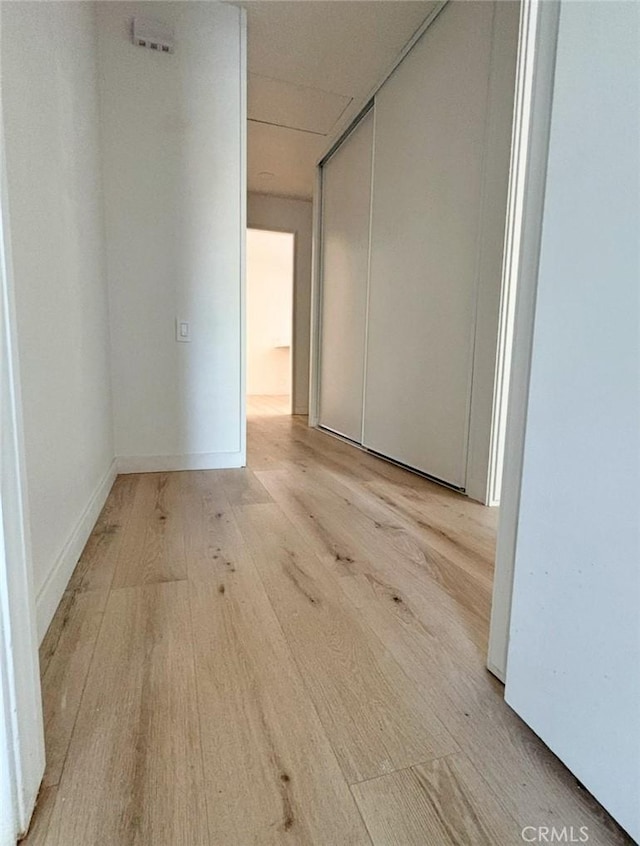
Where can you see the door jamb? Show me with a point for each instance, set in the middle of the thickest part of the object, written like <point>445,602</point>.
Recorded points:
<point>22,753</point>
<point>534,95</point>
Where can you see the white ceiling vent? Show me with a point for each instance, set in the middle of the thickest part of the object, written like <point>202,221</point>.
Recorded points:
<point>153,34</point>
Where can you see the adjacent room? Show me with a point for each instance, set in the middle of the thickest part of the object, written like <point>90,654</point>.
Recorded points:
<point>320,423</point>
<point>270,264</point>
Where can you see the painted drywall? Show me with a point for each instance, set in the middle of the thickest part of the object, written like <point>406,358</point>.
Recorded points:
<point>265,212</point>
<point>269,311</point>
<point>573,668</point>
<point>173,151</point>
<point>22,750</point>
<point>56,230</point>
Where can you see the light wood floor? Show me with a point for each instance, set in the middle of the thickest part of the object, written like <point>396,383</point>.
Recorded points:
<point>288,654</point>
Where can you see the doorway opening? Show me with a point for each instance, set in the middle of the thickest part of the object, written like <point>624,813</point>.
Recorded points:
<point>270,272</point>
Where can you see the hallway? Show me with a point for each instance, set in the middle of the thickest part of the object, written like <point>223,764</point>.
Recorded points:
<point>291,653</point>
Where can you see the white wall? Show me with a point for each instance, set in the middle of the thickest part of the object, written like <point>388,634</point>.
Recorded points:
<point>269,311</point>
<point>50,109</point>
<point>264,212</point>
<point>173,140</point>
<point>22,753</point>
<point>573,668</point>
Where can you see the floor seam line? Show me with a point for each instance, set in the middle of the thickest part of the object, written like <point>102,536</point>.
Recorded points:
<point>404,769</point>
<point>197,689</point>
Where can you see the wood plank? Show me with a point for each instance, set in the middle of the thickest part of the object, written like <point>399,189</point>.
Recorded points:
<point>97,563</point>
<point>290,438</point>
<point>351,542</point>
<point>77,622</point>
<point>242,487</point>
<point>258,724</point>
<point>52,636</point>
<point>452,525</point>
<point>267,405</point>
<point>443,802</point>
<point>463,528</point>
<point>134,769</point>
<point>446,527</point>
<point>531,782</point>
<point>214,545</point>
<point>376,719</point>
<point>433,638</point>
<point>271,775</point>
<point>39,827</point>
<point>152,546</point>
<point>267,450</point>
<point>362,469</point>
<point>365,466</point>
<point>95,568</point>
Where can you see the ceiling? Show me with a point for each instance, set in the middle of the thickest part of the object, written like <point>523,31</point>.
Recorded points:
<point>310,64</point>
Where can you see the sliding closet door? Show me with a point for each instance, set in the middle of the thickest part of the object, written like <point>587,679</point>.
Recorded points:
<point>346,199</point>
<point>429,140</point>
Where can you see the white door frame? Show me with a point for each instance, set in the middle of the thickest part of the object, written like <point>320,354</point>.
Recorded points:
<point>536,66</point>
<point>22,756</point>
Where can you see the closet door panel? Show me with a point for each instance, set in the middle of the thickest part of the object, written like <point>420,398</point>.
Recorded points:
<point>346,201</point>
<point>429,139</point>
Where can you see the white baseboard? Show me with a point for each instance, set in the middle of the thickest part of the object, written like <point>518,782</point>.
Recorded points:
<point>170,463</point>
<point>51,591</point>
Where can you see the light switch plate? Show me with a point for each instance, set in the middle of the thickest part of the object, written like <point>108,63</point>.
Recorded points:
<point>183,331</point>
